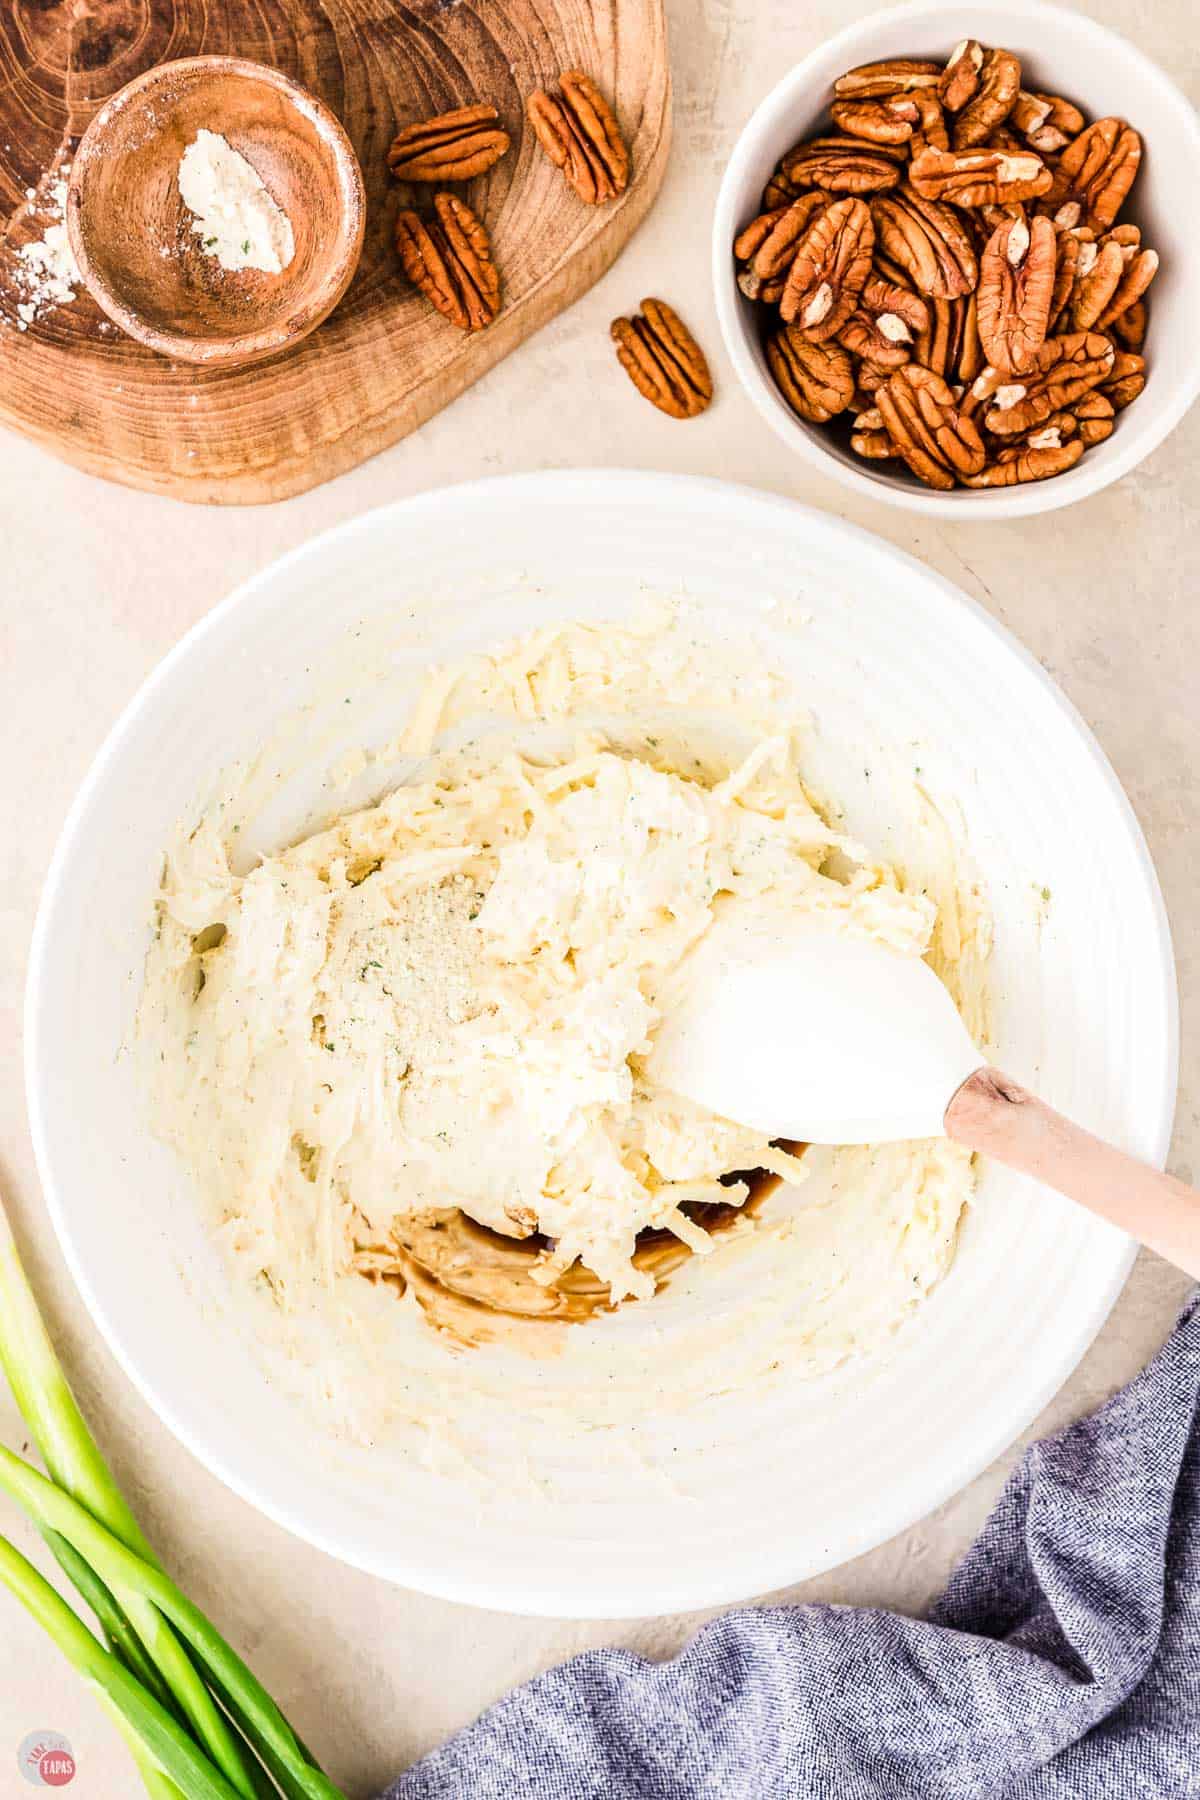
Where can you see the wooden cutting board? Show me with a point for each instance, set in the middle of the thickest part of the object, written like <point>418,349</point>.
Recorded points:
<point>384,362</point>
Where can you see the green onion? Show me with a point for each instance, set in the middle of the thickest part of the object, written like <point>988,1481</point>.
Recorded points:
<point>168,1675</point>
<point>166,1746</point>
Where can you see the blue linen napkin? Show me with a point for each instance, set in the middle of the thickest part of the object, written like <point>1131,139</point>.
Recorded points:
<point>1062,1661</point>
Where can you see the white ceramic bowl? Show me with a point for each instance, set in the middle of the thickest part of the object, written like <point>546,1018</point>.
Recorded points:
<point>1062,52</point>
<point>767,1487</point>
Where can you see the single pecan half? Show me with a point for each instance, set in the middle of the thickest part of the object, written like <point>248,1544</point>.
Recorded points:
<point>816,380</point>
<point>1066,263</point>
<point>884,294</point>
<point>890,121</point>
<point>1094,417</point>
<point>1016,290</point>
<point>663,360</point>
<point>1125,379</point>
<point>768,245</point>
<point>960,77</point>
<point>978,177</point>
<point>1098,273</point>
<point>939,445</point>
<point>880,80</point>
<point>994,97</point>
<point>1130,326</point>
<point>454,146</point>
<point>1063,370</point>
<point>579,133</point>
<point>844,166</point>
<point>885,339</point>
<point>449,258</point>
<point>928,241</point>
<point>1094,174</point>
<point>970,350</point>
<point>746,246</point>
<point>829,269</point>
<point>1027,463</point>
<point>1139,273</point>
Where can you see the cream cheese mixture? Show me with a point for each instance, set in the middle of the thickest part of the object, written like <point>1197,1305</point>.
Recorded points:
<point>235,217</point>
<point>435,1008</point>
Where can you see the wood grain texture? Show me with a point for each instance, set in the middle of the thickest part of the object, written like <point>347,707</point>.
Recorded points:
<point>384,362</point>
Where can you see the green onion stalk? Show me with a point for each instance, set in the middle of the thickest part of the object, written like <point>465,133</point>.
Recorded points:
<point>198,1723</point>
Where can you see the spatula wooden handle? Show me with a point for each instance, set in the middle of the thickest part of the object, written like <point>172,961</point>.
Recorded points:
<point>994,1115</point>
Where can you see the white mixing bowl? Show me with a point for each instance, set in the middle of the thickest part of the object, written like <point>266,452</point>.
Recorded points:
<point>763,1487</point>
<point>1062,52</point>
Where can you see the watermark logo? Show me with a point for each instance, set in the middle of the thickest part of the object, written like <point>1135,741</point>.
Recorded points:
<point>45,1758</point>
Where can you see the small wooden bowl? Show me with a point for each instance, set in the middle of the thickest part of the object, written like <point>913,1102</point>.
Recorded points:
<point>132,234</point>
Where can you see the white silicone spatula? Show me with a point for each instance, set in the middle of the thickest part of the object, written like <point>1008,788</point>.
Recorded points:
<point>788,1023</point>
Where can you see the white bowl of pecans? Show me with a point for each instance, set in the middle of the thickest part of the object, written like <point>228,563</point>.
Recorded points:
<point>952,261</point>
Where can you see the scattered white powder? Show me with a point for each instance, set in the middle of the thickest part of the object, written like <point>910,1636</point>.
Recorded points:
<point>236,219</point>
<point>47,273</point>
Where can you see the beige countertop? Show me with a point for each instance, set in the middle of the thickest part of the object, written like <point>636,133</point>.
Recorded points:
<point>97,583</point>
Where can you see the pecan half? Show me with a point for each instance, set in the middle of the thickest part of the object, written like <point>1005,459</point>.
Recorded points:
<point>843,166</point>
<point>1066,264</point>
<point>1094,174</point>
<point>889,121</point>
<point>884,339</point>
<point>663,360</point>
<point>995,95</point>
<point>579,133</point>
<point>880,80</point>
<point>1016,290</point>
<point>978,177</point>
<point>449,258</point>
<point>1028,463</point>
<point>1130,326</point>
<point>883,294</point>
<point>829,269</point>
<point>454,146</point>
<point>1125,379</point>
<point>970,351</point>
<point>1093,417</point>
<point>1139,273</point>
<point>768,245</point>
<point>816,380</point>
<point>1097,277</point>
<point>928,241</point>
<point>1063,370</point>
<point>930,434</point>
<point>960,77</point>
<point>746,246</point>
